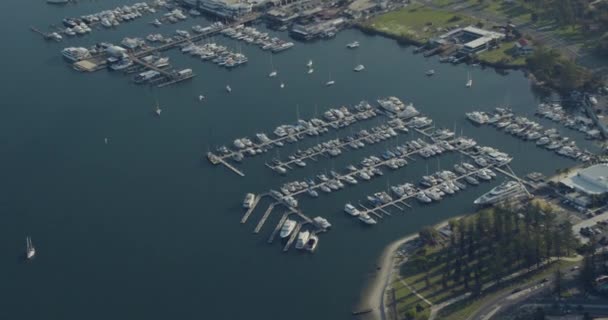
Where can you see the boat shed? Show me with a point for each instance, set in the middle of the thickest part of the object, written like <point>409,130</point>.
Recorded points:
<point>481,39</point>
<point>592,180</point>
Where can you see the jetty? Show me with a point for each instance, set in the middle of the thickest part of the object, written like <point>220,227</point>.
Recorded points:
<point>217,159</point>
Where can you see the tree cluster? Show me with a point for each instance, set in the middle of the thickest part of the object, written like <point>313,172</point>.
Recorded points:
<point>489,246</point>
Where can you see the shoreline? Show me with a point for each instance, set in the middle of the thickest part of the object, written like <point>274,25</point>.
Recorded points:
<point>371,305</point>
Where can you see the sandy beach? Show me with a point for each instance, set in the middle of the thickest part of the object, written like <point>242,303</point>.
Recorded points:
<point>373,295</point>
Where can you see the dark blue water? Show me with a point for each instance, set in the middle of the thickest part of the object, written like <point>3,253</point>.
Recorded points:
<point>141,228</point>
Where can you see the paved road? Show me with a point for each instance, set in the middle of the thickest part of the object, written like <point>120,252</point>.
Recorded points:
<point>509,298</point>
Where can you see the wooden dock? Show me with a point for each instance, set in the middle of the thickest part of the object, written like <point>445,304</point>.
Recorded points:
<point>278,227</point>
<point>197,37</point>
<point>354,173</point>
<point>341,145</point>
<point>272,142</point>
<point>229,166</point>
<point>264,217</point>
<point>294,235</point>
<point>406,197</point>
<point>250,210</point>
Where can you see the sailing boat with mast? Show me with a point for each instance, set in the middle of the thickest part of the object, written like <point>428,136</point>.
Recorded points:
<point>359,67</point>
<point>330,82</point>
<point>30,251</point>
<point>273,72</point>
<point>158,110</point>
<point>469,80</point>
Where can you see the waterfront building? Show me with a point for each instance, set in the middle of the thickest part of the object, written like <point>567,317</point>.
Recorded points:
<point>590,181</point>
<point>224,8</point>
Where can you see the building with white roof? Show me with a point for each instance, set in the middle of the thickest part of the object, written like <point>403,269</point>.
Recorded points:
<point>592,180</point>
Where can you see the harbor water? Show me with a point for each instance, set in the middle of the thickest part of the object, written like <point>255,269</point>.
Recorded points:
<point>143,227</point>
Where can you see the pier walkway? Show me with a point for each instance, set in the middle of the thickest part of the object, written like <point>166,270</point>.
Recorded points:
<point>220,159</point>
<point>324,150</point>
<point>197,37</point>
<point>354,173</point>
<point>253,206</point>
<point>407,197</point>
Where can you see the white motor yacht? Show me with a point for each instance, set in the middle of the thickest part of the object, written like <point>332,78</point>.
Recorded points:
<point>353,45</point>
<point>350,209</point>
<point>287,228</point>
<point>422,197</point>
<point>302,239</point>
<point>321,222</point>
<point>365,218</point>
<point>477,117</point>
<point>500,193</point>
<point>75,53</point>
<point>248,202</point>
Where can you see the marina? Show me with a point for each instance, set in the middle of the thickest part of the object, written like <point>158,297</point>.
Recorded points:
<point>336,119</point>
<point>335,147</point>
<point>144,203</point>
<point>109,55</point>
<point>525,129</point>
<point>436,186</point>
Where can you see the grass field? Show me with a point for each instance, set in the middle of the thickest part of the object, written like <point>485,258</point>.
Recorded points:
<point>502,54</point>
<point>418,23</point>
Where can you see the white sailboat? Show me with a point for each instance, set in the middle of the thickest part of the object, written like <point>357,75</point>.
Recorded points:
<point>311,70</point>
<point>30,251</point>
<point>330,82</point>
<point>228,88</point>
<point>282,85</point>
<point>469,80</point>
<point>201,97</point>
<point>273,73</point>
<point>158,109</point>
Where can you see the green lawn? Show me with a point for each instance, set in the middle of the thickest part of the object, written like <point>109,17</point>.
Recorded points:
<point>502,54</point>
<point>417,22</point>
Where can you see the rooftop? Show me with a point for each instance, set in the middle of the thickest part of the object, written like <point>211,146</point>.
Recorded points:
<point>591,180</point>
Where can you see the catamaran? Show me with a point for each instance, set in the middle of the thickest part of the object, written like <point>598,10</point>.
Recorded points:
<point>30,251</point>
